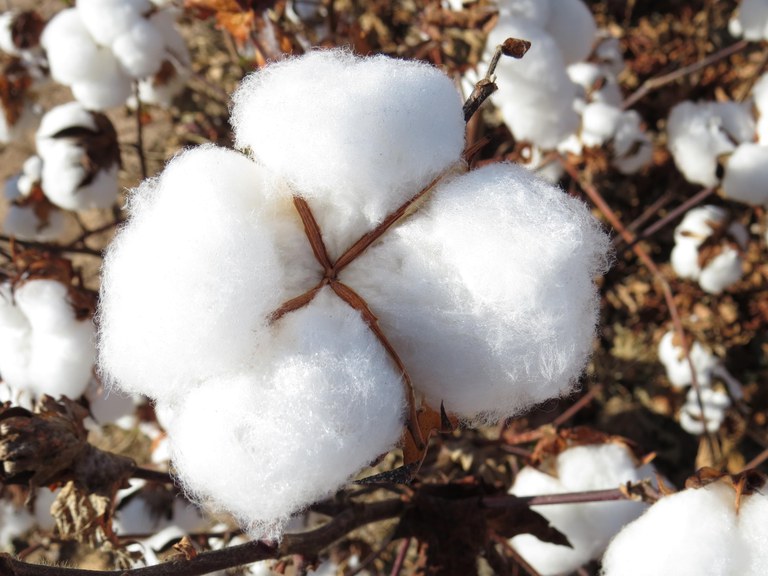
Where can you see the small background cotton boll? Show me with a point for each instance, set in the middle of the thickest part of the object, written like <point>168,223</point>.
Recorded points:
<point>746,175</point>
<point>572,26</point>
<point>589,527</point>
<point>106,20</point>
<point>72,54</point>
<point>632,148</point>
<point>688,533</point>
<point>750,20</point>
<point>722,271</point>
<point>599,123</point>
<point>190,280</point>
<point>678,370</point>
<point>140,49</point>
<point>362,133</point>
<point>14,522</point>
<point>715,404</point>
<point>110,88</point>
<point>500,265</point>
<point>323,402</point>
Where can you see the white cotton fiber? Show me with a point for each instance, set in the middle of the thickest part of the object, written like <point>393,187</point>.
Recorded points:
<point>23,223</point>
<point>597,83</point>
<point>746,176</point>
<point>44,349</point>
<point>572,26</point>
<point>694,532</point>
<point>698,133</point>
<point>106,20</point>
<point>536,12</point>
<point>678,370</point>
<point>487,292</point>
<point>588,527</point>
<point>751,20</point>
<point>140,49</point>
<point>365,134</point>
<point>322,403</point>
<point>189,282</point>
<point>715,404</point>
<point>632,148</point>
<point>71,51</point>
<point>14,522</point>
<point>599,122</point>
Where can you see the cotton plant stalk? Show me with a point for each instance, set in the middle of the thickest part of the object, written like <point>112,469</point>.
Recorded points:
<point>288,306</point>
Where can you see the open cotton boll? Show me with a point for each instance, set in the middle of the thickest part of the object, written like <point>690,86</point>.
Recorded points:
<point>23,223</point>
<point>632,148</point>
<point>746,176</point>
<point>673,358</point>
<point>750,20</point>
<point>140,49</point>
<point>599,122</point>
<point>71,51</point>
<point>537,12</point>
<point>694,532</point>
<point>699,133</point>
<point>361,131</point>
<point>499,265</point>
<point>590,526</point>
<point>597,83</point>
<point>573,27</point>
<point>323,402</point>
<point>715,404</point>
<point>106,20</point>
<point>203,256</point>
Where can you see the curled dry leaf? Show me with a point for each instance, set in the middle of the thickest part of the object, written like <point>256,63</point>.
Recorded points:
<point>26,28</point>
<point>14,83</point>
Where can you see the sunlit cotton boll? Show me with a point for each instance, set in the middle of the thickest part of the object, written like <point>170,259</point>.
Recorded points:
<point>361,142</point>
<point>750,20</point>
<point>746,176</point>
<point>678,370</point>
<point>694,532</point>
<point>590,526</point>
<point>322,403</point>
<point>487,292</point>
<point>107,20</point>
<point>715,404</point>
<point>44,348</point>
<point>573,27</point>
<point>699,133</point>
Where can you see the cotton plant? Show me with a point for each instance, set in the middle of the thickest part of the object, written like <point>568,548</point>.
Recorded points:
<point>293,334</point>
<point>45,348</point>
<point>709,247</point>
<point>80,158</point>
<point>589,527</point>
<point>716,529</point>
<point>100,48</point>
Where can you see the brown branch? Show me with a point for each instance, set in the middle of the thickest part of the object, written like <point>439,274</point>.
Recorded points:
<point>52,247</point>
<point>140,133</point>
<point>296,303</point>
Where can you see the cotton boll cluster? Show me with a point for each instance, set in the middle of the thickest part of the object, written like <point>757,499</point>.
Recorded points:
<point>364,135</point>
<point>100,47</point>
<point>80,157</point>
<point>708,248</point>
<point>750,20</point>
<point>44,347</point>
<point>589,527</point>
<point>709,530</point>
<point>31,216</point>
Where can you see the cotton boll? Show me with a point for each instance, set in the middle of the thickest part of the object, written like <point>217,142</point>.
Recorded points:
<point>760,95</point>
<point>140,49</point>
<point>751,20</point>
<point>361,131</point>
<point>588,527</point>
<point>722,271</point>
<point>597,84</point>
<point>65,116</point>
<point>109,89</point>
<point>106,20</point>
<point>693,532</point>
<point>324,401</point>
<point>24,224</point>
<point>189,282</point>
<point>599,122</point>
<point>673,358</point>
<point>139,513</point>
<point>572,26</point>
<point>715,404</point>
<point>499,264</point>
<point>537,12</point>
<point>14,522</point>
<point>72,54</point>
<point>631,145</point>
<point>746,176</point>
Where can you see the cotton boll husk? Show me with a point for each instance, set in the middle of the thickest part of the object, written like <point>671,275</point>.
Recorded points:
<point>324,401</point>
<point>140,49</point>
<point>746,176</point>
<point>106,20</point>
<point>677,367</point>
<point>572,26</point>
<point>361,132</point>
<point>499,265</point>
<point>751,20</point>
<point>599,122</point>
<point>689,533</point>
<point>190,280</point>
<point>589,527</point>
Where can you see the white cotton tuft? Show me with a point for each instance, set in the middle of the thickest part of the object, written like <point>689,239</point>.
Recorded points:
<point>107,20</point>
<point>715,404</point>
<point>72,54</point>
<point>751,20</point>
<point>14,522</point>
<point>140,49</point>
<point>596,82</point>
<point>44,348</point>
<point>322,403</point>
<point>694,532</point>
<point>487,292</point>
<point>746,176</point>
<point>588,527</point>
<point>572,26</point>
<point>361,131</point>
<point>632,148</point>
<point>189,282</point>
<point>599,122</point>
<point>537,12</point>
<point>699,133</point>
<point>678,370</point>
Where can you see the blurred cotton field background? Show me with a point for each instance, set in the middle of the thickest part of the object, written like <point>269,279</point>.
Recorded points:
<point>350,326</point>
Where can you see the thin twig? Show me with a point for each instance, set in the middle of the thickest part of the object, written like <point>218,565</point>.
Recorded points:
<point>577,406</point>
<point>53,247</point>
<point>648,213</point>
<point>140,133</point>
<point>757,460</point>
<point>402,552</point>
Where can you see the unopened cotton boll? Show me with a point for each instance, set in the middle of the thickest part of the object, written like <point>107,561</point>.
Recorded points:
<point>318,408</point>
<point>694,532</point>
<point>672,356</point>
<point>44,348</point>
<point>500,265</point>
<point>715,404</point>
<point>590,526</point>
<point>360,145</point>
<point>746,176</point>
<point>698,133</point>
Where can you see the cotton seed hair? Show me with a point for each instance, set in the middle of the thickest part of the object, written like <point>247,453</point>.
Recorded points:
<point>485,291</point>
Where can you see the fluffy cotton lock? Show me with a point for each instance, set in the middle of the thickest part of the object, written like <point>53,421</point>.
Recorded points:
<point>44,347</point>
<point>750,20</point>
<point>715,265</point>
<point>746,178</point>
<point>694,532</point>
<point>715,403</point>
<point>672,356</point>
<point>485,291</point>
<point>590,526</point>
<point>80,157</point>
